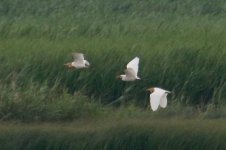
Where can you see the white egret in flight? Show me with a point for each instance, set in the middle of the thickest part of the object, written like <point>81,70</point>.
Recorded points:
<point>79,62</point>
<point>158,97</point>
<point>131,71</point>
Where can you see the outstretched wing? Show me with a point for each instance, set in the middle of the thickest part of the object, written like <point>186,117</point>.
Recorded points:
<point>154,101</point>
<point>163,101</point>
<point>78,56</point>
<point>79,59</point>
<point>155,98</point>
<point>134,65</point>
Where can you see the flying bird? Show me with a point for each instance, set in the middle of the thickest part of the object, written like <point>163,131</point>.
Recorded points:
<point>131,71</point>
<point>158,97</point>
<point>79,62</point>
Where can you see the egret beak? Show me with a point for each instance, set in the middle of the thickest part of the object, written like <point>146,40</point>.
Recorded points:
<point>168,92</point>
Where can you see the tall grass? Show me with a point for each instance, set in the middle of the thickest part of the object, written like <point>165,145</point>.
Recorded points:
<point>36,103</point>
<point>181,46</point>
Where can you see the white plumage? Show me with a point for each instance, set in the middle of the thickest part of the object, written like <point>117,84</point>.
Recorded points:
<point>158,97</point>
<point>131,70</point>
<point>79,61</point>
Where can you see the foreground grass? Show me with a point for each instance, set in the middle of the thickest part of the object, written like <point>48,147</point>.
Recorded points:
<point>115,133</point>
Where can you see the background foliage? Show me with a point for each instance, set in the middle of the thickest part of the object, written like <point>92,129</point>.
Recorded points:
<point>181,46</point>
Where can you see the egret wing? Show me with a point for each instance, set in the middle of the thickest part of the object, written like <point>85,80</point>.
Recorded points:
<point>163,101</point>
<point>78,59</point>
<point>78,56</point>
<point>134,64</point>
<point>156,97</point>
<point>154,101</point>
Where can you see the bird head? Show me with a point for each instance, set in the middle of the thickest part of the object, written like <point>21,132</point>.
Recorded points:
<point>151,89</point>
<point>87,66</point>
